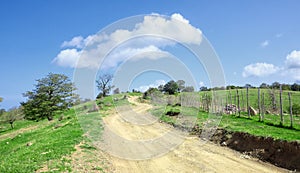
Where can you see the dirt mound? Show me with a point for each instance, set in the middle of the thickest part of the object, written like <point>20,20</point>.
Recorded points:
<point>278,152</point>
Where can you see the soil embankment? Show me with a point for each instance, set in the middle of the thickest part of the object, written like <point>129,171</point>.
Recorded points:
<point>278,152</point>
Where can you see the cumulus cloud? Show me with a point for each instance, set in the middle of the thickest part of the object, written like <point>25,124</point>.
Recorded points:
<point>260,70</point>
<point>133,54</point>
<point>154,85</point>
<point>293,60</point>
<point>67,58</point>
<point>292,65</point>
<point>151,35</point>
<point>264,43</point>
<point>201,84</point>
<point>290,69</point>
<point>77,42</point>
<point>294,73</point>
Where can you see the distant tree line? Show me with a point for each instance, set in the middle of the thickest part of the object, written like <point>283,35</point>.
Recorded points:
<point>274,85</point>
<point>170,88</point>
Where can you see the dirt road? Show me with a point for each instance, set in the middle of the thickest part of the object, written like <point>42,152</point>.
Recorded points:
<point>137,143</point>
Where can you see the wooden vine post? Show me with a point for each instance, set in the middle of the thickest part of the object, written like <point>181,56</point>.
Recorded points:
<point>259,105</point>
<point>248,110</point>
<point>230,97</point>
<point>263,106</point>
<point>291,110</point>
<point>280,102</point>
<point>238,102</point>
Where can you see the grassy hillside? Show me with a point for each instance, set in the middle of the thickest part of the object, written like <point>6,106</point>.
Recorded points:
<point>32,144</point>
<point>46,146</point>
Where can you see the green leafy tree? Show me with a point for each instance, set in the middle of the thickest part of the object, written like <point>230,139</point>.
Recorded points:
<point>286,87</point>
<point>12,115</point>
<point>104,84</point>
<point>275,85</point>
<point>248,86</point>
<point>161,88</point>
<point>171,87</point>
<point>264,85</point>
<point>180,84</point>
<point>150,91</point>
<point>52,94</point>
<point>188,89</point>
<point>204,88</point>
<point>230,87</point>
<point>295,87</point>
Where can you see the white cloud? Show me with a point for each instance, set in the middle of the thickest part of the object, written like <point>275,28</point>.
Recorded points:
<point>151,35</point>
<point>154,85</point>
<point>293,60</point>
<point>260,70</point>
<point>201,84</point>
<point>77,42</point>
<point>292,65</point>
<point>264,43</point>
<point>67,58</point>
<point>290,69</point>
<point>133,54</point>
<point>293,73</point>
<point>179,17</point>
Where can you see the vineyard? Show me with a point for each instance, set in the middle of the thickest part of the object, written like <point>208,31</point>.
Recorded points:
<point>276,107</point>
<point>268,115</point>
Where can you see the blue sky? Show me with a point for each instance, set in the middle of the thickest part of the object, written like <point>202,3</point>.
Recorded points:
<point>256,41</point>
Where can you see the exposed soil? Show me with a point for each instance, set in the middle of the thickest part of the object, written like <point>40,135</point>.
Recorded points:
<point>281,153</point>
<point>87,160</point>
<point>158,147</point>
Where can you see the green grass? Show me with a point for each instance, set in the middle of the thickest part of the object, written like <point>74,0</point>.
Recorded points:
<point>234,123</point>
<point>5,127</point>
<point>29,151</point>
<point>51,144</point>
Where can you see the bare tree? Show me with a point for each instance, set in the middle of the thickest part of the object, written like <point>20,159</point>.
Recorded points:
<point>104,84</point>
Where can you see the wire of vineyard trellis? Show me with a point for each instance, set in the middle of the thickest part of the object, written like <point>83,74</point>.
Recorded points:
<point>264,105</point>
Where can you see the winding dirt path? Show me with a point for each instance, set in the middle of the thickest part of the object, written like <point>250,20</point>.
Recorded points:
<point>158,148</point>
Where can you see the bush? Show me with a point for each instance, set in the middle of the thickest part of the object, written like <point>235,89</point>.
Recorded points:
<point>296,109</point>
